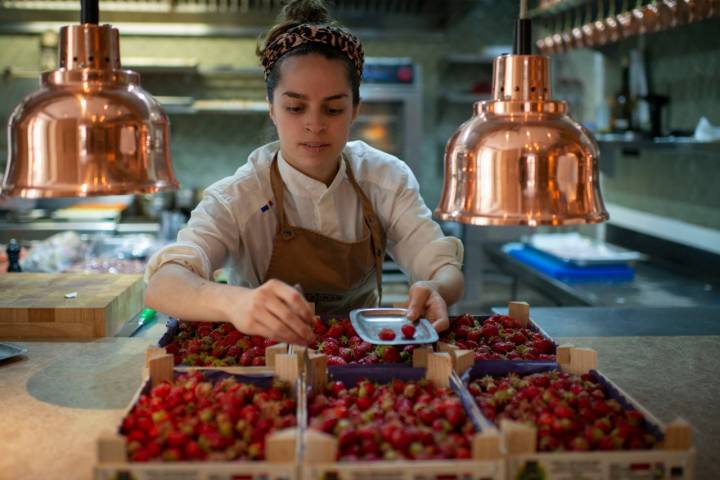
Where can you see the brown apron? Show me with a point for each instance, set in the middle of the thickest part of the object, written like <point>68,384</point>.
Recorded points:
<point>336,276</point>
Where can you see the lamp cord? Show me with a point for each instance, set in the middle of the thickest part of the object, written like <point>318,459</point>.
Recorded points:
<point>90,11</point>
<point>522,42</point>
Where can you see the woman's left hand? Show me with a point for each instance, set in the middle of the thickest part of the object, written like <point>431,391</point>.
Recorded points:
<point>425,300</point>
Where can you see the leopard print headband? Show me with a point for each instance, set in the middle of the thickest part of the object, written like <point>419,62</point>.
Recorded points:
<point>345,42</point>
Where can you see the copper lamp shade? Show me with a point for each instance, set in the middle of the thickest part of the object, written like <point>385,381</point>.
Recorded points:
<point>521,159</point>
<point>90,129</point>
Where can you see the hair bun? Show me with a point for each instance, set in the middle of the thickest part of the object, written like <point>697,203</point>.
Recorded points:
<point>305,11</point>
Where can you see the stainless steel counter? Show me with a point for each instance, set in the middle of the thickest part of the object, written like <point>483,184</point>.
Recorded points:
<point>39,230</point>
<point>653,286</point>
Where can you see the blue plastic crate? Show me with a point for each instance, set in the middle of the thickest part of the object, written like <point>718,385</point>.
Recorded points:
<point>555,268</point>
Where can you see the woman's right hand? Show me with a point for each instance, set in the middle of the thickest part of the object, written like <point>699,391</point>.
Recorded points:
<point>273,310</point>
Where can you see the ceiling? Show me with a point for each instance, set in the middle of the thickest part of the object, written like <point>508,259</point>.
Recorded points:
<point>231,17</point>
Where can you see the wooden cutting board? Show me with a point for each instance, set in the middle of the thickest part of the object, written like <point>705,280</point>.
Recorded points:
<point>33,305</point>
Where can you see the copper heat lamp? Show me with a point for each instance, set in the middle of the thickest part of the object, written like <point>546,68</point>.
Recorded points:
<point>521,159</point>
<point>90,129</point>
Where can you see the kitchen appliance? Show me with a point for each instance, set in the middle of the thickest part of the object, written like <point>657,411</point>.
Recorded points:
<point>521,159</point>
<point>391,112</point>
<point>90,129</point>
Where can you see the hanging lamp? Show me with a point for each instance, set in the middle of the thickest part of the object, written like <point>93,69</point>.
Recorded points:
<point>90,129</point>
<point>521,159</point>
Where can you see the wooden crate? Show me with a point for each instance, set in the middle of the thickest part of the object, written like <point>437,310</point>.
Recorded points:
<point>271,354</point>
<point>674,458</point>
<point>464,359</point>
<point>34,305</point>
<point>320,449</point>
<point>173,329</point>
<point>281,447</point>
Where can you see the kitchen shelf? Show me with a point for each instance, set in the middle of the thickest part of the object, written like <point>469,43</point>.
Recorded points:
<point>470,58</point>
<point>375,118</point>
<point>665,21</point>
<point>659,143</point>
<point>558,7</point>
<point>217,106</point>
<point>454,97</point>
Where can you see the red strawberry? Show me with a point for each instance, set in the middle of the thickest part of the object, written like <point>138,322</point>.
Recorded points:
<point>330,347</point>
<point>503,347</point>
<point>335,360</point>
<point>347,354</point>
<point>408,330</point>
<point>335,330</point>
<point>319,327</point>
<point>246,358</point>
<point>390,355</point>
<point>543,345</point>
<point>489,330</point>
<point>464,320</point>
<point>363,349</point>
<point>364,403</point>
<point>517,338</point>
<point>386,334</point>
<point>475,334</point>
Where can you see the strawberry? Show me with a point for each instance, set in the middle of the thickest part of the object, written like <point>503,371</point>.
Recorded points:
<point>474,334</point>
<point>346,354</point>
<point>319,327</point>
<point>337,388</point>
<point>464,320</point>
<point>363,349</point>
<point>489,330</point>
<point>196,419</point>
<point>330,347</point>
<point>570,412</point>
<point>335,331</point>
<point>386,334</point>
<point>503,347</point>
<point>335,360</point>
<point>517,338</point>
<point>408,330</point>
<point>390,355</point>
<point>543,345</point>
<point>461,331</point>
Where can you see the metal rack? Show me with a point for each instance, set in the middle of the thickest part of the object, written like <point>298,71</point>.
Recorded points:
<point>570,24</point>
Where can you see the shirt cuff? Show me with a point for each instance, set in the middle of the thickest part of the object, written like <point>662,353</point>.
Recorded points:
<point>187,255</point>
<point>436,254</point>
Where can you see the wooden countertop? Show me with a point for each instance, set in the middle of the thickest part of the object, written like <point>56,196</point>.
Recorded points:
<point>57,400</point>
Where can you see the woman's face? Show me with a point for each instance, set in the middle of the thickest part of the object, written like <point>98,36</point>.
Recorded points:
<point>312,110</point>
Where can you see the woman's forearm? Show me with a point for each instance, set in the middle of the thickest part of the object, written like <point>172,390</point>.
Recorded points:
<point>449,282</point>
<point>181,293</point>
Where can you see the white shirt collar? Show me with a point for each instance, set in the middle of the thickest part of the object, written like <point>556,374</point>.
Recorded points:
<point>300,184</point>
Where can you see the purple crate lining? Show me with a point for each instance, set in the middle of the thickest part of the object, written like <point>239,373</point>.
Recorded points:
<point>383,374</point>
<point>500,368</point>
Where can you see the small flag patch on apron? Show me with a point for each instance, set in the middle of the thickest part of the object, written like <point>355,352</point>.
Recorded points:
<point>267,206</point>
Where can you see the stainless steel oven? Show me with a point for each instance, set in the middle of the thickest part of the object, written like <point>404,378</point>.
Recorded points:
<point>391,113</point>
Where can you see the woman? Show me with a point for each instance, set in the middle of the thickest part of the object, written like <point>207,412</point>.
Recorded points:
<point>311,210</point>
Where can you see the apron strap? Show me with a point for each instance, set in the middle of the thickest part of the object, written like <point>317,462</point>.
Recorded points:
<point>278,189</point>
<point>372,223</point>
